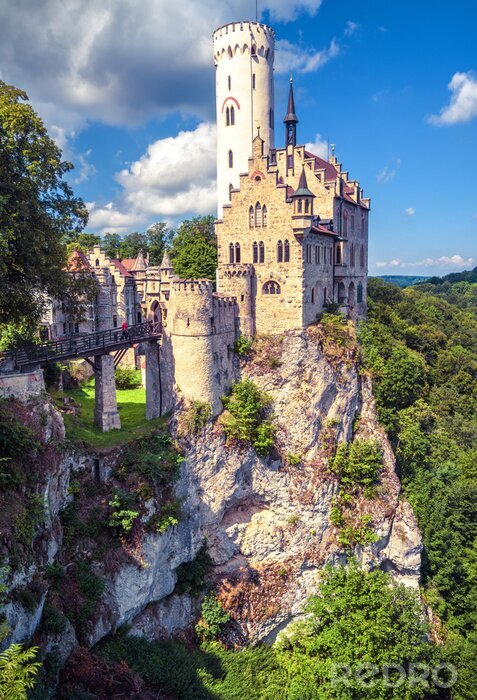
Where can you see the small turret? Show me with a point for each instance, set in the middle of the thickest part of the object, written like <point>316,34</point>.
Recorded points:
<point>302,204</point>
<point>139,263</point>
<point>166,266</point>
<point>291,120</point>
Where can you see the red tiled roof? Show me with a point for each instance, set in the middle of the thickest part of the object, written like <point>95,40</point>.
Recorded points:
<point>330,171</point>
<point>119,266</point>
<point>128,263</point>
<point>77,262</point>
<point>323,229</point>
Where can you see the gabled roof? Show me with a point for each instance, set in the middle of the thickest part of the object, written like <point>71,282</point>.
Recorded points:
<point>78,262</point>
<point>302,190</point>
<point>128,263</point>
<point>139,264</point>
<point>120,267</point>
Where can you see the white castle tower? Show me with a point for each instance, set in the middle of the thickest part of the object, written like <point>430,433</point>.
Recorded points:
<point>243,56</point>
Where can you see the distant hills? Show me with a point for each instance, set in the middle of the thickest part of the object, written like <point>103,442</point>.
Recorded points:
<point>404,280</point>
<point>407,280</point>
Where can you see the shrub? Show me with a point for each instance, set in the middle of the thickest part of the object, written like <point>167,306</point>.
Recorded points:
<point>293,459</point>
<point>16,443</point>
<point>27,520</point>
<point>361,534</point>
<point>196,417</point>
<point>169,516</point>
<point>245,422</point>
<point>91,588</point>
<point>192,575</point>
<point>121,517</point>
<point>127,378</point>
<point>53,620</point>
<point>155,457</point>
<point>358,463</point>
<point>242,346</point>
<point>214,617</point>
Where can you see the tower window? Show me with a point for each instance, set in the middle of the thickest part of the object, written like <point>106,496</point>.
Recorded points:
<point>313,295</point>
<point>307,206</point>
<point>96,262</point>
<point>351,255</point>
<point>231,253</point>
<point>324,296</point>
<point>255,252</point>
<point>253,81</point>
<point>229,81</point>
<point>271,287</point>
<point>264,215</point>
<point>345,223</point>
<point>230,192</point>
<point>360,293</point>
<point>258,214</point>
<point>231,159</point>
<point>261,252</point>
<point>251,217</point>
<point>232,116</point>
<point>270,119</point>
<point>338,255</point>
<point>227,117</point>
<point>290,161</point>
<point>280,251</point>
<point>286,250</point>
<point>254,50</point>
<point>237,252</point>
<point>361,256</point>
<point>300,206</point>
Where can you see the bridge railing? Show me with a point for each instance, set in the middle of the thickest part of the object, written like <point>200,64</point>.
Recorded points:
<point>84,345</point>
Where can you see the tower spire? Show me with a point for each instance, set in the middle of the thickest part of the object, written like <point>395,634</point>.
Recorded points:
<point>291,120</point>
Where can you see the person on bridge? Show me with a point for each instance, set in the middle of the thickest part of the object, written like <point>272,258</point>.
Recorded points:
<point>124,327</point>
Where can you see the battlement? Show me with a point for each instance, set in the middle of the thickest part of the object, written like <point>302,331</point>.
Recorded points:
<point>238,270</point>
<point>199,286</point>
<point>244,37</point>
<point>223,299</point>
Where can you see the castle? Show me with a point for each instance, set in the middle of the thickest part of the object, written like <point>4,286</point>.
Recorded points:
<point>292,235</point>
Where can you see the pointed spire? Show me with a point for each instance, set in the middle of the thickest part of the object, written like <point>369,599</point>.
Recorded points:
<point>139,263</point>
<point>290,117</point>
<point>166,262</point>
<point>302,189</point>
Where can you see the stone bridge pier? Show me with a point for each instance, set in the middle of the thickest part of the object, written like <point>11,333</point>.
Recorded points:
<point>106,414</point>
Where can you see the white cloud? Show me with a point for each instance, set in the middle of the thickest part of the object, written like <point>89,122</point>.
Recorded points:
<point>351,28</point>
<point>444,261</point>
<point>176,176</point>
<point>389,171</point>
<point>319,147</point>
<point>463,103</point>
<point>410,211</point>
<point>122,62</point>
<point>290,57</point>
<point>84,167</point>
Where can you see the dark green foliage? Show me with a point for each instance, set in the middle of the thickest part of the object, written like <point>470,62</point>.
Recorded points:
<point>242,346</point>
<point>245,421</point>
<point>169,516</point>
<point>16,443</point>
<point>52,620</point>
<point>155,457</point>
<point>358,463</point>
<point>28,519</point>
<point>213,619</point>
<point>123,516</point>
<point>192,575</point>
<point>432,331</point>
<point>403,280</point>
<point>127,378</point>
<point>193,250</point>
<point>91,588</point>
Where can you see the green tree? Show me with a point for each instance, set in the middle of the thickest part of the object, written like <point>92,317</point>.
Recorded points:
<point>132,244</point>
<point>37,212</point>
<point>158,237</point>
<point>194,249</point>
<point>17,672</point>
<point>111,244</point>
<point>83,242</point>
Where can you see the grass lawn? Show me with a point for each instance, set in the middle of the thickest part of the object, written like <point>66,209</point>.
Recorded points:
<point>132,410</point>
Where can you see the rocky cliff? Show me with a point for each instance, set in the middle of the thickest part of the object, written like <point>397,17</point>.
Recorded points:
<point>268,522</point>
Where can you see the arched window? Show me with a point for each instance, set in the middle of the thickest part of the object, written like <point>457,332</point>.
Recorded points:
<point>258,214</point>
<point>230,192</point>
<point>229,51</point>
<point>229,82</point>
<point>231,252</point>
<point>271,287</point>
<point>286,252</point>
<point>253,81</point>
<point>227,117</point>
<point>341,293</point>
<point>280,251</point>
<point>361,257</point>
<point>360,293</point>
<point>338,254</point>
<point>96,262</point>
<point>264,215</point>
<point>261,252</point>
<point>351,255</point>
<point>232,116</point>
<point>251,217</point>
<point>312,295</point>
<point>237,252</point>
<point>307,206</point>
<point>255,252</point>
<point>300,206</point>
<point>345,223</point>
<point>254,50</point>
<point>231,159</point>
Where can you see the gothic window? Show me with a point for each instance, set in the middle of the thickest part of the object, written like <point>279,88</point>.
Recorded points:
<point>361,257</point>
<point>251,217</point>
<point>286,256</point>
<point>300,206</point>
<point>261,252</point>
<point>341,293</point>
<point>264,215</point>
<point>307,206</point>
<point>230,192</point>
<point>345,223</point>
<point>338,254</point>
<point>96,262</point>
<point>317,255</point>
<point>232,116</point>
<point>280,251</point>
<point>271,287</point>
<point>231,252</point>
<point>360,293</point>
<point>258,214</point>
<point>253,81</point>
<point>255,252</point>
<point>231,159</point>
<point>237,252</point>
<point>230,82</point>
<point>290,161</point>
<point>254,50</point>
<point>351,255</point>
<point>227,117</point>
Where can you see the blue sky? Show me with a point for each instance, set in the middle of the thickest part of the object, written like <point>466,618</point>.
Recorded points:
<point>127,89</point>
